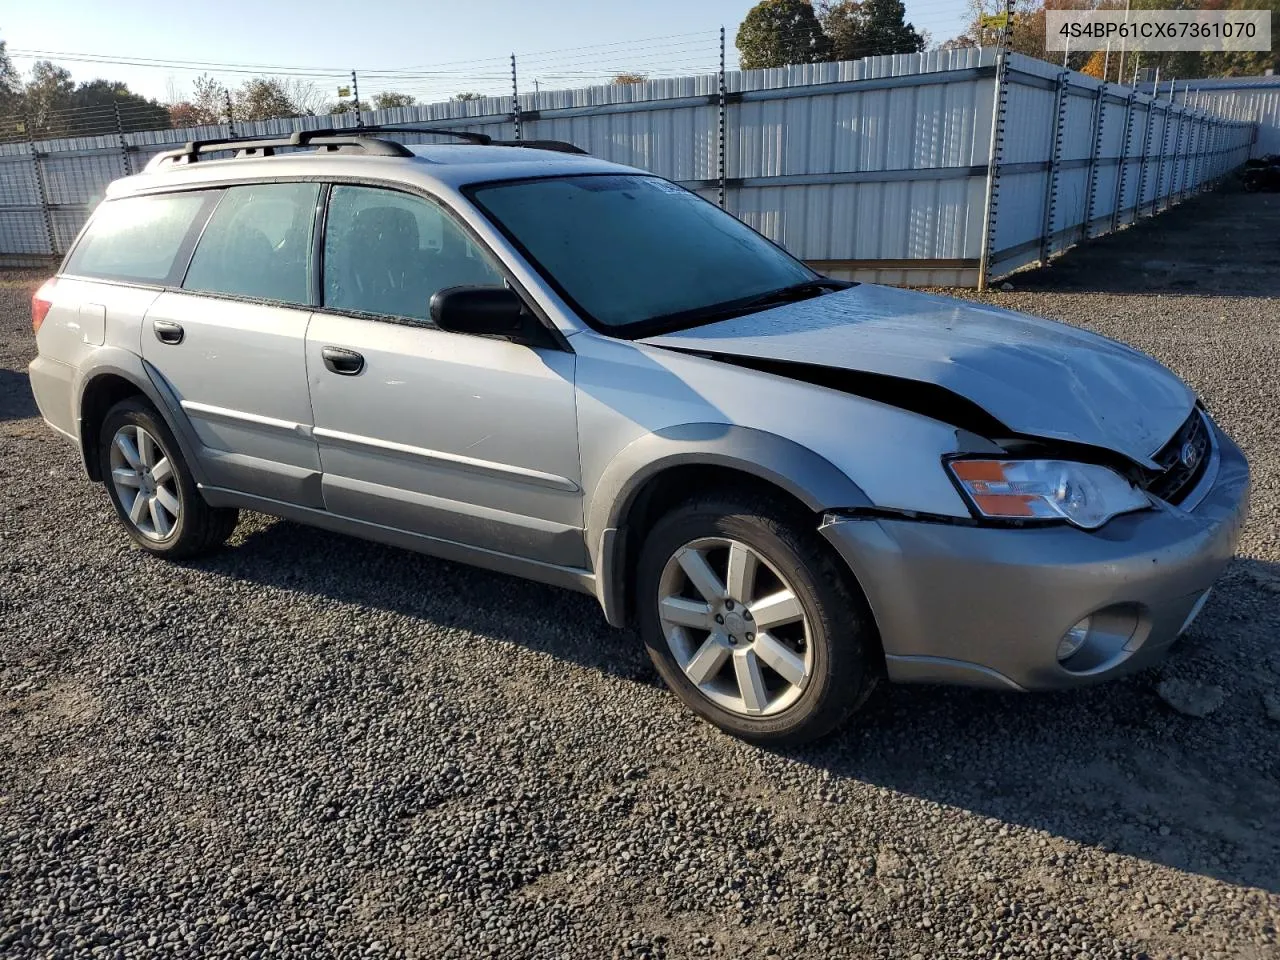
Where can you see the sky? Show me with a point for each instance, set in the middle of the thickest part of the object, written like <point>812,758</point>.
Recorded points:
<point>427,48</point>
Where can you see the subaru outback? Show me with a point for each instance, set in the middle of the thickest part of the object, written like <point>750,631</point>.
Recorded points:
<point>528,359</point>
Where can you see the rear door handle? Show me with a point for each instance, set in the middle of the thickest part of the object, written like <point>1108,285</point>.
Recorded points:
<point>167,331</point>
<point>348,363</point>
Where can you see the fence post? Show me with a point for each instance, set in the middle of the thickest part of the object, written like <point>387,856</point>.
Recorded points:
<point>1146,160</point>
<point>42,193</point>
<point>1122,168</point>
<point>124,146</point>
<point>1175,175</point>
<point>999,107</point>
<point>720,128</point>
<point>515,99</point>
<point>1091,193</point>
<point>1055,163</point>
<point>1164,145</point>
<point>231,119</point>
<point>1198,126</point>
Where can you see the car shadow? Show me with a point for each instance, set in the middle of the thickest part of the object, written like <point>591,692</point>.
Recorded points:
<point>1111,767</point>
<point>291,556</point>
<point>16,399</point>
<point>1220,243</point>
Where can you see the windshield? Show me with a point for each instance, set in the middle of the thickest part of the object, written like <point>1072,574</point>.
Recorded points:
<point>634,254</point>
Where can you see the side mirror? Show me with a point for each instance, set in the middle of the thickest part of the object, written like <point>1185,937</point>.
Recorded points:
<point>496,311</point>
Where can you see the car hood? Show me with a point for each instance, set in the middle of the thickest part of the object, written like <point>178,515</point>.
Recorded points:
<point>1037,377</point>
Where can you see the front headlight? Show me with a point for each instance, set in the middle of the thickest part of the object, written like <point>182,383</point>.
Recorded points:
<point>1083,493</point>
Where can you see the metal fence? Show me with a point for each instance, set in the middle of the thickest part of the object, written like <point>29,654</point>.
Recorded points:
<point>947,168</point>
<point>1250,98</point>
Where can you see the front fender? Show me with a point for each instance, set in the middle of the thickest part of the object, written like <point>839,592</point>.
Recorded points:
<point>809,477</point>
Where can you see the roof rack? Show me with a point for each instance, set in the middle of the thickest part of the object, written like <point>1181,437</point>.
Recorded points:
<point>332,139</point>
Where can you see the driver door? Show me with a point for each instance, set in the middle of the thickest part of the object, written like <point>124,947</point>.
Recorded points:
<point>463,438</point>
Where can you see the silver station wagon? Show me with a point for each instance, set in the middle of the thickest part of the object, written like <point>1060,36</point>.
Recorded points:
<point>520,357</point>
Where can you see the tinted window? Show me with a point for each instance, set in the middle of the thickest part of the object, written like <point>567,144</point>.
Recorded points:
<point>633,249</point>
<point>258,244</point>
<point>386,253</point>
<point>136,238</point>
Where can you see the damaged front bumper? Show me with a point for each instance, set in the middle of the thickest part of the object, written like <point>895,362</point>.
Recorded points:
<point>988,606</point>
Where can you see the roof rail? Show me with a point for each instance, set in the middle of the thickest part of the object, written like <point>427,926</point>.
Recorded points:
<point>335,138</point>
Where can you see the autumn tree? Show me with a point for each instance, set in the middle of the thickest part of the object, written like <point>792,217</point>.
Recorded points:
<point>207,104</point>
<point>627,78</point>
<point>776,33</point>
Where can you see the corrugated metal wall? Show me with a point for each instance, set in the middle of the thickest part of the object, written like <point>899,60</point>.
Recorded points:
<point>1244,98</point>
<point>1079,158</point>
<point>873,169</point>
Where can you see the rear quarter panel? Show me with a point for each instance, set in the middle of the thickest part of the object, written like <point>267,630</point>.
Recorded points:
<point>86,318</point>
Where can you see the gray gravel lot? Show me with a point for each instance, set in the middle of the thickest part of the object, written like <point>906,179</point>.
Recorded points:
<point>310,745</point>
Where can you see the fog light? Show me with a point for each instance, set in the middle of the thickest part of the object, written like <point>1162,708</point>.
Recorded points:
<point>1073,639</point>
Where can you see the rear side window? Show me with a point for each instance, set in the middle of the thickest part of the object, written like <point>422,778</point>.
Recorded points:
<point>258,244</point>
<point>136,238</point>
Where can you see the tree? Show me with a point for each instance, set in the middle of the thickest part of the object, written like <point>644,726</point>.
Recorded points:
<point>95,104</point>
<point>1028,33</point>
<point>206,106</point>
<point>630,78</point>
<point>46,99</point>
<point>466,96</point>
<point>776,33</point>
<point>391,100</point>
<point>306,98</point>
<point>263,98</point>
<point>872,28</point>
<point>210,99</point>
<point>10,85</point>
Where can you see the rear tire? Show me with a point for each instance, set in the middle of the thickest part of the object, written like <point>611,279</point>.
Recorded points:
<point>151,486</point>
<point>786,660</point>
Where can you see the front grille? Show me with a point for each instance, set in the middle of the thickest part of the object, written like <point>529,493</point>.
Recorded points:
<point>1183,460</point>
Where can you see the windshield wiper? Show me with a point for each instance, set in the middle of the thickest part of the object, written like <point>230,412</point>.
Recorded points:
<point>737,308</point>
<point>797,291</point>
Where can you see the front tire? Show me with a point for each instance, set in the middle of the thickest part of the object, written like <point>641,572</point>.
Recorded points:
<point>151,486</point>
<point>752,621</point>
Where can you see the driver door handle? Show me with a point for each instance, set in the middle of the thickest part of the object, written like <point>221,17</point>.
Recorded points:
<point>344,362</point>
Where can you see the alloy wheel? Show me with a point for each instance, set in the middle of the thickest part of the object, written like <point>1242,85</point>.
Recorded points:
<point>145,483</point>
<point>735,626</point>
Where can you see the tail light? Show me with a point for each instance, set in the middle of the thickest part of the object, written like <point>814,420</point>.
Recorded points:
<point>40,304</point>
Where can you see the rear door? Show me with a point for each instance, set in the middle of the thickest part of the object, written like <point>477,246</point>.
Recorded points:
<point>231,343</point>
<point>464,438</point>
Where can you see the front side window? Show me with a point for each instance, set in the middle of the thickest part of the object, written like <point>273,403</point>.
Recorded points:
<point>258,244</point>
<point>635,253</point>
<point>386,253</point>
<point>135,238</point>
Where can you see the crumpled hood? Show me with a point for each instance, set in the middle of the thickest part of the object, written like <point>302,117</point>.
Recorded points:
<point>1037,377</point>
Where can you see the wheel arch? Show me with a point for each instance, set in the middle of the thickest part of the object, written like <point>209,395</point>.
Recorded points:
<point>115,378</point>
<point>656,471</point>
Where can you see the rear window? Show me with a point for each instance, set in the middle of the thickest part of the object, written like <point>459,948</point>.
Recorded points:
<point>135,238</point>
<point>258,244</point>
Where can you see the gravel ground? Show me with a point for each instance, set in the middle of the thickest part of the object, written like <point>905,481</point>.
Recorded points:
<point>309,745</point>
